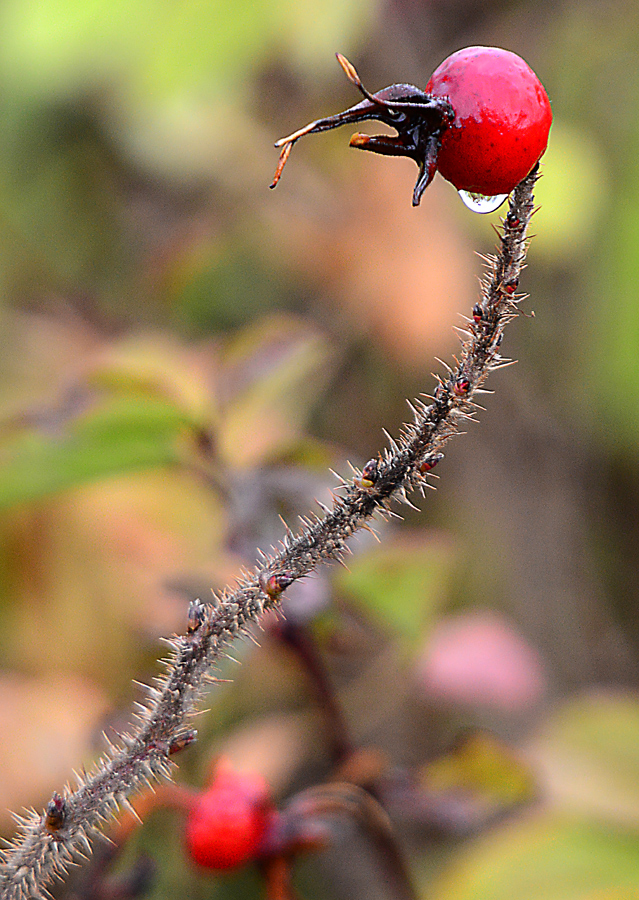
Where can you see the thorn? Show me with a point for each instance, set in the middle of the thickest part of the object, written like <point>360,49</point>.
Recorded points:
<point>252,638</point>
<point>105,837</point>
<point>82,839</point>
<point>213,679</point>
<point>392,443</point>
<point>126,803</point>
<point>501,364</point>
<point>444,364</point>
<point>408,502</point>
<point>366,527</point>
<point>283,521</point>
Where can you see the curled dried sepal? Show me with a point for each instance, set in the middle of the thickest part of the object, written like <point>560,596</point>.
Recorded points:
<point>418,118</point>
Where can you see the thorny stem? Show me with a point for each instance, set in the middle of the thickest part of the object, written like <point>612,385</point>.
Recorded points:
<point>48,843</point>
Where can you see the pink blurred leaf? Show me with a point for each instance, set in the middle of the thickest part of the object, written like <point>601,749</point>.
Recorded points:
<point>479,659</point>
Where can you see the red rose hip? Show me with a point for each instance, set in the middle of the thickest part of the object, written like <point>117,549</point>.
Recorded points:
<point>227,822</point>
<point>482,122</point>
<point>502,119</point>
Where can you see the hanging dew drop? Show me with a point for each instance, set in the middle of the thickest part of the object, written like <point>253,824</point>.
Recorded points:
<point>479,203</point>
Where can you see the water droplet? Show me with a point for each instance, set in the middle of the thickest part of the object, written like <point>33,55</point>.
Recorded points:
<point>479,203</point>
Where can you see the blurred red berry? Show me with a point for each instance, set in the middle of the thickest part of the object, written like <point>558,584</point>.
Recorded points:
<point>502,119</point>
<point>227,822</point>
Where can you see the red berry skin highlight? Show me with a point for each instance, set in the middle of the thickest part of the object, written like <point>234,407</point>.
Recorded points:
<point>502,119</point>
<point>227,822</point>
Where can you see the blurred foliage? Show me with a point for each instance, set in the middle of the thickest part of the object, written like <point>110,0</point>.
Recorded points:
<point>588,749</point>
<point>584,844</point>
<point>183,354</point>
<point>547,857</point>
<point>403,586</point>
<point>159,50</point>
<point>123,436</point>
<point>482,765</point>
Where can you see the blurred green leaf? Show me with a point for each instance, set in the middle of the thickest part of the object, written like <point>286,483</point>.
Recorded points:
<point>485,768</point>
<point>400,583</point>
<point>157,49</point>
<point>275,373</point>
<point>544,859</point>
<point>571,194</point>
<point>61,190</point>
<point>127,434</point>
<point>610,357</point>
<point>226,289</point>
<point>589,754</point>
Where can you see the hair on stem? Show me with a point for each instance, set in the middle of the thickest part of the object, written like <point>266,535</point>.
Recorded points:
<point>48,842</point>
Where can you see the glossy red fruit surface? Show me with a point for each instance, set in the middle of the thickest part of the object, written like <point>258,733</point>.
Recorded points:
<point>502,119</point>
<point>226,824</point>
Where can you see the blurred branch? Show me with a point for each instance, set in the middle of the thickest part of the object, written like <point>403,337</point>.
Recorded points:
<point>48,843</point>
<point>297,638</point>
<point>347,799</point>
